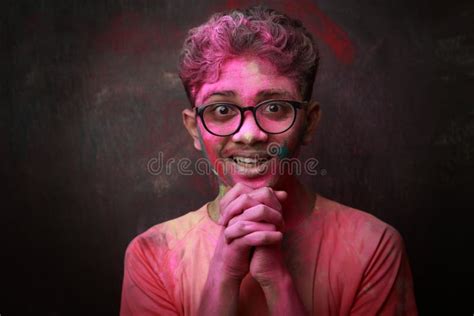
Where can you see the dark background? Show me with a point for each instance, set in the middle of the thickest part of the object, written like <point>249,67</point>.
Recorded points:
<point>89,94</point>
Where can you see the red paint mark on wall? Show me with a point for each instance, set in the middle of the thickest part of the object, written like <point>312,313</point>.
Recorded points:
<point>324,28</point>
<point>316,22</point>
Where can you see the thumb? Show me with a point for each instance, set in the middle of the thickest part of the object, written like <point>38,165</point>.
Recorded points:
<point>281,195</point>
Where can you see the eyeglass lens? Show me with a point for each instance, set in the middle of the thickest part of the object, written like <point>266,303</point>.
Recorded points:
<point>272,117</point>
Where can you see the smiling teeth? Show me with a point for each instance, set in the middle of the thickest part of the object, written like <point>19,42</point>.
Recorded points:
<point>247,160</point>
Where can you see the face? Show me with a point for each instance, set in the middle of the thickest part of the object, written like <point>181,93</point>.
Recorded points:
<point>244,156</point>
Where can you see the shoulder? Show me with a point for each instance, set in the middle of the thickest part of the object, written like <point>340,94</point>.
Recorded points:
<point>163,237</point>
<point>370,259</point>
<point>151,262</point>
<point>362,231</point>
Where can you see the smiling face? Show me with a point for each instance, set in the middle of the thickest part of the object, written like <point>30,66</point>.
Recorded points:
<point>244,156</point>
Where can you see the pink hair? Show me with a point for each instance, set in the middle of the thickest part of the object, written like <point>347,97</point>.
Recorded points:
<point>258,31</point>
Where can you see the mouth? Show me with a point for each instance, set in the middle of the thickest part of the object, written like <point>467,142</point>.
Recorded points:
<point>250,166</point>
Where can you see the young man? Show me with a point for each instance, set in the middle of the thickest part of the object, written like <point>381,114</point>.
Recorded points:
<point>266,244</point>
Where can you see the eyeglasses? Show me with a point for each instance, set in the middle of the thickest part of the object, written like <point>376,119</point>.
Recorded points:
<point>271,116</point>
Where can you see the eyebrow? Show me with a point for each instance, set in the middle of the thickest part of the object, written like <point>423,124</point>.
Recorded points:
<point>260,95</point>
<point>225,93</point>
<point>274,92</point>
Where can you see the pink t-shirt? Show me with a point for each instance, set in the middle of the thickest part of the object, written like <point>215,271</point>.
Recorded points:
<point>343,262</point>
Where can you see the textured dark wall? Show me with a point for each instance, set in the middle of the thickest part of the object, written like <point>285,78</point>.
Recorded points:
<point>90,94</point>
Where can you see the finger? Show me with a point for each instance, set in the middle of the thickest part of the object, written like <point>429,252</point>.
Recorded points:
<point>266,196</point>
<point>260,238</point>
<point>281,195</point>
<point>236,207</point>
<point>243,228</point>
<point>232,194</point>
<point>259,213</point>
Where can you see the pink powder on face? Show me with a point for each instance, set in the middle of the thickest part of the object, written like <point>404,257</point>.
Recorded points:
<point>244,80</point>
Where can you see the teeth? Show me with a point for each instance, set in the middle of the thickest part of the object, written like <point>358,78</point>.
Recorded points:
<point>247,160</point>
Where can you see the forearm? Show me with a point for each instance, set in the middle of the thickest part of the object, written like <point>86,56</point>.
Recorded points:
<point>220,296</point>
<point>282,298</point>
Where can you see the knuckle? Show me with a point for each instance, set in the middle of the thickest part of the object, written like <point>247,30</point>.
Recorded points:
<point>267,191</point>
<point>227,234</point>
<point>264,238</point>
<point>261,209</point>
<point>222,205</point>
<point>279,218</point>
<point>223,217</point>
<point>278,206</point>
<point>271,227</point>
<point>240,186</point>
<point>264,212</point>
<point>241,226</point>
<point>258,238</point>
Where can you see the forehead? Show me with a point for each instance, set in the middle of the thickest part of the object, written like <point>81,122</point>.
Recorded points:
<point>246,78</point>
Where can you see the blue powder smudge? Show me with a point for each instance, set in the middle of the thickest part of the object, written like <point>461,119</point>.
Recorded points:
<point>283,152</point>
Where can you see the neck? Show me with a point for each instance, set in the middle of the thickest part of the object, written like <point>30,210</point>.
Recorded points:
<point>300,201</point>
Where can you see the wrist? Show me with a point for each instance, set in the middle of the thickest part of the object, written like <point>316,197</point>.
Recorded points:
<point>225,278</point>
<point>282,297</point>
<point>280,282</point>
<point>220,294</point>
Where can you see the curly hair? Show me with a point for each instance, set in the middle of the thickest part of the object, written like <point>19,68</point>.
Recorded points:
<point>258,31</point>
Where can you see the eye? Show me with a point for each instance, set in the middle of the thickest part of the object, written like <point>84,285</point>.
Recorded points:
<point>276,108</point>
<point>273,107</point>
<point>222,109</point>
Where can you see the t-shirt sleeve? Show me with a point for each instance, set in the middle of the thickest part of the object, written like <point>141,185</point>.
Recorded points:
<point>143,292</point>
<point>387,286</point>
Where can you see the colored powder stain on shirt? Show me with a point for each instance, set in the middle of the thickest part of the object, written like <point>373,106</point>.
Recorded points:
<point>342,261</point>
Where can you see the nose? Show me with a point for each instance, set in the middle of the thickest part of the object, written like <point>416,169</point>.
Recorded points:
<point>249,132</point>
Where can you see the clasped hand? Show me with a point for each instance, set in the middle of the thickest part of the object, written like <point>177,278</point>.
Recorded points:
<point>252,233</point>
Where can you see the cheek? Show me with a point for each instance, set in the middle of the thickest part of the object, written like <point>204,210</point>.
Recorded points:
<point>213,148</point>
<point>291,141</point>
<point>212,145</point>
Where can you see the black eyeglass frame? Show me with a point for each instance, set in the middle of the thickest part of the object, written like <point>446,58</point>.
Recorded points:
<point>295,104</point>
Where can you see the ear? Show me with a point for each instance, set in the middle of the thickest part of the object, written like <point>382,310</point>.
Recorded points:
<point>190,122</point>
<point>313,114</point>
